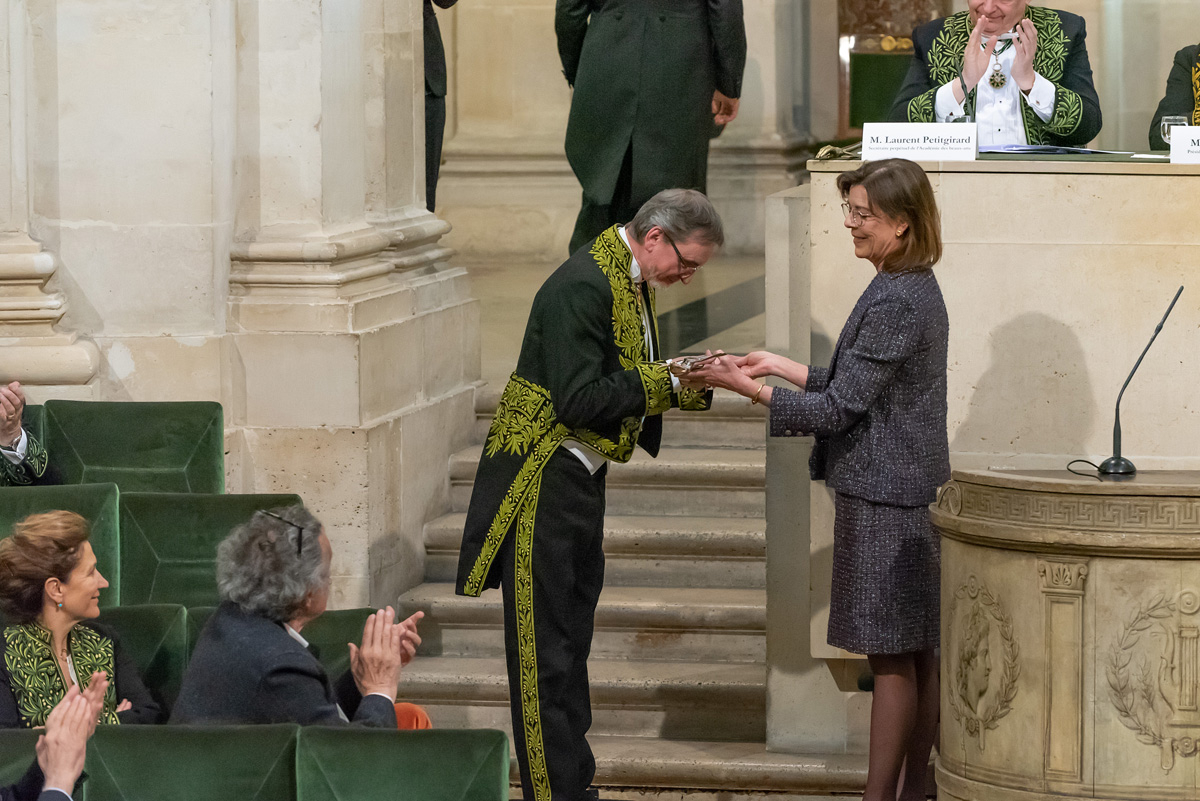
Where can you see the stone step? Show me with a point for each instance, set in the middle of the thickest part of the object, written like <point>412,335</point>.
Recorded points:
<point>643,623</point>
<point>649,551</point>
<point>718,482</point>
<point>670,700</point>
<point>732,422</point>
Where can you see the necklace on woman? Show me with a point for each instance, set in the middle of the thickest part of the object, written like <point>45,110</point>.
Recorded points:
<point>998,79</point>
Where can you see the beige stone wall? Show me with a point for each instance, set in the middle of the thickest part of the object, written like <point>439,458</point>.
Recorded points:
<point>226,198</point>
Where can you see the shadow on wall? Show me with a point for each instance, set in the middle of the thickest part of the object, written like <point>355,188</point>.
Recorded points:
<point>1035,396</point>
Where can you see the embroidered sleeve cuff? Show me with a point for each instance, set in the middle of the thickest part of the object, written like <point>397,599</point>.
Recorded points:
<point>945,107</point>
<point>16,454</point>
<point>691,400</point>
<point>785,408</point>
<point>656,383</point>
<point>1041,98</point>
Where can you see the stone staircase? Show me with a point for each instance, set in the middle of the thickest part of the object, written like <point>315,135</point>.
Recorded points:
<point>678,667</point>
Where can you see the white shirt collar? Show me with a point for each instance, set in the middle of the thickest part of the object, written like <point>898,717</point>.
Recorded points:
<point>295,635</point>
<point>635,269</point>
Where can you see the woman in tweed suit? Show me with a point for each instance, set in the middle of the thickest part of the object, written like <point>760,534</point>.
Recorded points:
<point>878,413</point>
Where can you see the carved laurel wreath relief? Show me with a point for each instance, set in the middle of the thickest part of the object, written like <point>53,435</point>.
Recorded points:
<point>1152,675</point>
<point>983,641</point>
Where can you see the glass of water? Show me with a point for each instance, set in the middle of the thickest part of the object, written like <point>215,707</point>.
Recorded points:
<point>1167,123</point>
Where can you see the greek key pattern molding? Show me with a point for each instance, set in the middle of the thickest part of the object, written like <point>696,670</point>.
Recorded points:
<point>1129,514</point>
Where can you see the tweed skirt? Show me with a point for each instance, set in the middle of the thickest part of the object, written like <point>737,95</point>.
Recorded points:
<point>887,567</point>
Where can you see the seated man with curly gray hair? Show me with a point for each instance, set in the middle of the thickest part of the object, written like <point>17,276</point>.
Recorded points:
<point>251,665</point>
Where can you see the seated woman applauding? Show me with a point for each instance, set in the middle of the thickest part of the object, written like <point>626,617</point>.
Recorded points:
<point>49,591</point>
<point>251,663</point>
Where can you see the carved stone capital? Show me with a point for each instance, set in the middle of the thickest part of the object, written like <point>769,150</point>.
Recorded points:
<point>1062,576</point>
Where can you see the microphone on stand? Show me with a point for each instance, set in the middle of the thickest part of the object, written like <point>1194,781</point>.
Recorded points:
<point>1117,465</point>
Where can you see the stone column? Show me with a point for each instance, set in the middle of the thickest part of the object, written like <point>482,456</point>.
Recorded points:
<point>352,345</point>
<point>49,360</point>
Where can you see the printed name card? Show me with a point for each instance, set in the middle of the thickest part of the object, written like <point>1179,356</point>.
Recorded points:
<point>920,141</point>
<point>1185,144</point>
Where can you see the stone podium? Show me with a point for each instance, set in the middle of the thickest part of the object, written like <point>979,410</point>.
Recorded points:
<point>1070,636</point>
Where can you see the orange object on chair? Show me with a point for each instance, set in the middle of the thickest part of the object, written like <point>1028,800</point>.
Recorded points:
<point>410,717</point>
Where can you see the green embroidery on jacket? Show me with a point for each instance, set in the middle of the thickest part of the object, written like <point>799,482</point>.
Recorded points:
<point>531,710</point>
<point>656,381</point>
<point>920,108</point>
<point>37,681</point>
<point>1196,90</point>
<point>32,466</point>
<point>614,260</point>
<point>524,416</point>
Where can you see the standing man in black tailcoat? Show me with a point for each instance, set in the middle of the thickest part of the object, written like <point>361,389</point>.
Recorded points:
<point>590,384</point>
<point>651,77</point>
<point>435,98</point>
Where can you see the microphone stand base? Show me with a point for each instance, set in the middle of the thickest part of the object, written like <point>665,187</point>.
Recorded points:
<point>1117,466</point>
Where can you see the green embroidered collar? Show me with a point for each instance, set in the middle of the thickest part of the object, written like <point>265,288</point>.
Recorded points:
<point>36,679</point>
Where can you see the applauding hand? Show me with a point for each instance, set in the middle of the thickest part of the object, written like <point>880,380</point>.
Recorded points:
<point>1026,49</point>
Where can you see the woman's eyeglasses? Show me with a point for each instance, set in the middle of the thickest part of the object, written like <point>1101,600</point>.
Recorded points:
<point>855,216</point>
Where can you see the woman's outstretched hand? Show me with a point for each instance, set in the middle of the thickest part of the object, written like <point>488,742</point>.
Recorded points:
<point>725,372</point>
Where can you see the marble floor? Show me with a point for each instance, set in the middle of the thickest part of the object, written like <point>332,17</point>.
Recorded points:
<point>722,307</point>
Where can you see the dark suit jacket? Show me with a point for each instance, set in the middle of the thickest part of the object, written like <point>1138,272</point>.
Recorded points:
<point>128,684</point>
<point>1183,94</point>
<point>247,669</point>
<point>435,53</point>
<point>879,410</point>
<point>1061,58</point>
<point>30,788</point>
<point>584,373</point>
<point>644,72</point>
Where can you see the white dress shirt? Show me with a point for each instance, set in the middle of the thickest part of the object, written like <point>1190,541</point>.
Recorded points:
<point>16,454</point>
<point>998,111</point>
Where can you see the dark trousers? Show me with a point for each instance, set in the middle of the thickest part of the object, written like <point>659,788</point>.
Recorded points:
<point>553,571</point>
<point>435,128</point>
<point>595,218</point>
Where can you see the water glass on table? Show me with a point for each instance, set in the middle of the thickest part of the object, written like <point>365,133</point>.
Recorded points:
<point>1167,123</point>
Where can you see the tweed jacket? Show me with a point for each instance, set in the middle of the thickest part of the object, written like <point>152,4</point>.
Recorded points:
<point>247,669</point>
<point>879,410</point>
<point>584,374</point>
<point>1182,98</point>
<point>644,73</point>
<point>31,468</point>
<point>1061,58</point>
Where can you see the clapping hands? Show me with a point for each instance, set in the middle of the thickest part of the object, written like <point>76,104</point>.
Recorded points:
<point>387,646</point>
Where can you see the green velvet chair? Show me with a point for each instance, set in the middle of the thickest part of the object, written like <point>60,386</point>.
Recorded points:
<point>371,765</point>
<point>156,635</point>
<point>16,753</point>
<point>33,420</point>
<point>96,502</point>
<point>142,447</point>
<point>169,542</point>
<point>875,80</point>
<point>169,763</point>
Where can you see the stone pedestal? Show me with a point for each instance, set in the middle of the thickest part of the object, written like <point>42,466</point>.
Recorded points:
<point>1070,625</point>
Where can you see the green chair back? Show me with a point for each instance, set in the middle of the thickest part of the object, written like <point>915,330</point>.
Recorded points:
<point>141,447</point>
<point>331,632</point>
<point>17,754</point>
<point>368,765</point>
<point>169,542</point>
<point>158,763</point>
<point>875,80</point>
<point>155,635</point>
<point>96,502</point>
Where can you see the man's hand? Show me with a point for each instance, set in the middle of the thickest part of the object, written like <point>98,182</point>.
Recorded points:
<point>12,405</point>
<point>409,639</point>
<point>376,665</point>
<point>724,109</point>
<point>61,751</point>
<point>1026,49</point>
<point>976,59</point>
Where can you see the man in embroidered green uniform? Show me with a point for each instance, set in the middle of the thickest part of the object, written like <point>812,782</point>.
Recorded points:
<point>22,458</point>
<point>1020,71</point>
<point>1182,98</point>
<point>589,385</point>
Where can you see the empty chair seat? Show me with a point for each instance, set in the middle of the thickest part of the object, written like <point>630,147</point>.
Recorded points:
<point>155,635</point>
<point>142,447</point>
<point>96,502</point>
<point>169,542</point>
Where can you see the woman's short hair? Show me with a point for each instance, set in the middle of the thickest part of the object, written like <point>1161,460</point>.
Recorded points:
<point>901,190</point>
<point>681,213</point>
<point>270,564</point>
<point>41,547</point>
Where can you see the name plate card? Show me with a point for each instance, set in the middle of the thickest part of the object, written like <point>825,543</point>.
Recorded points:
<point>920,141</point>
<point>1185,144</point>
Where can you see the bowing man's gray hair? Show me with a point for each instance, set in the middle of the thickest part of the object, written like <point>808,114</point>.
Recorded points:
<point>269,564</point>
<point>681,213</point>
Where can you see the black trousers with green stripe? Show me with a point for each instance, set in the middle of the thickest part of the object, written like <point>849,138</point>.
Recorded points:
<point>553,571</point>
